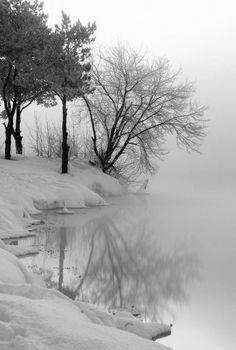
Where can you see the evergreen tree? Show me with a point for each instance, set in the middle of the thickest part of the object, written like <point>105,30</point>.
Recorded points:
<point>67,68</point>
<point>23,36</point>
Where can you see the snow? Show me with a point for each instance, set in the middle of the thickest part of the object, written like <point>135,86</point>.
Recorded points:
<point>125,321</point>
<point>94,179</point>
<point>32,184</point>
<point>35,317</point>
<point>11,269</point>
<point>31,315</point>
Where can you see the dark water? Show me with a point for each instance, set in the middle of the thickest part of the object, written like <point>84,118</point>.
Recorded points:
<point>171,256</point>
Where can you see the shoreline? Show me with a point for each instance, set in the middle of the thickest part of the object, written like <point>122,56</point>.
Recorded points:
<point>45,316</point>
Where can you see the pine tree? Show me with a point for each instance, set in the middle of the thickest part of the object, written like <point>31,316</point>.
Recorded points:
<point>68,68</point>
<point>23,35</point>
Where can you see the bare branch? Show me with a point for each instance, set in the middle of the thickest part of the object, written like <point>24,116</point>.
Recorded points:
<point>135,105</point>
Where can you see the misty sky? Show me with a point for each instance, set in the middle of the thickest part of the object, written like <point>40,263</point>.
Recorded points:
<point>199,36</point>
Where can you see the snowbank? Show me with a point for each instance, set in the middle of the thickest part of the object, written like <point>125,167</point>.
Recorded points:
<point>11,269</point>
<point>34,317</point>
<point>124,320</point>
<point>95,179</point>
<point>32,184</point>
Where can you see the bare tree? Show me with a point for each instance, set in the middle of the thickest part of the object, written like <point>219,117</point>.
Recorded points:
<point>137,103</point>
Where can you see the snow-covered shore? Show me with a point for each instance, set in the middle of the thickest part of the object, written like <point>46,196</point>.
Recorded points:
<point>35,317</point>
<point>32,316</point>
<point>31,184</point>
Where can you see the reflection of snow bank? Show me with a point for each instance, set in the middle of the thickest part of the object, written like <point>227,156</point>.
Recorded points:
<point>18,250</point>
<point>65,211</point>
<point>32,184</point>
<point>33,317</point>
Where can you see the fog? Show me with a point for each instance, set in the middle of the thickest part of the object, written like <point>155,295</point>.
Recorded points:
<point>197,36</point>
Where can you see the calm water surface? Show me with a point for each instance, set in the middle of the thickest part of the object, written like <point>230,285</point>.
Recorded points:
<point>172,256</point>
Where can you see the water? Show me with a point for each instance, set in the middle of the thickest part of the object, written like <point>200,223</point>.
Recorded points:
<point>171,255</point>
<point>207,222</point>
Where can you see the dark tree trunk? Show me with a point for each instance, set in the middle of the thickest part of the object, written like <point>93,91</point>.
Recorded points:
<point>17,132</point>
<point>10,110</point>
<point>65,146</point>
<point>8,133</point>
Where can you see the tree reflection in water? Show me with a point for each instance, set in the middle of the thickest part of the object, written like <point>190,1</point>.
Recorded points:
<point>119,262</point>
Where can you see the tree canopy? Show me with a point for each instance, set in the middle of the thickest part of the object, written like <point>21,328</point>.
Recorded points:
<point>23,36</point>
<point>136,104</point>
<point>67,68</point>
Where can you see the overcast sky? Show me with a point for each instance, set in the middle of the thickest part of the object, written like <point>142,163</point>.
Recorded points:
<point>200,36</point>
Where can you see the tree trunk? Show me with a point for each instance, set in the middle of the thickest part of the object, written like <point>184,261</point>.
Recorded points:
<point>65,146</point>
<point>8,133</point>
<point>17,132</point>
